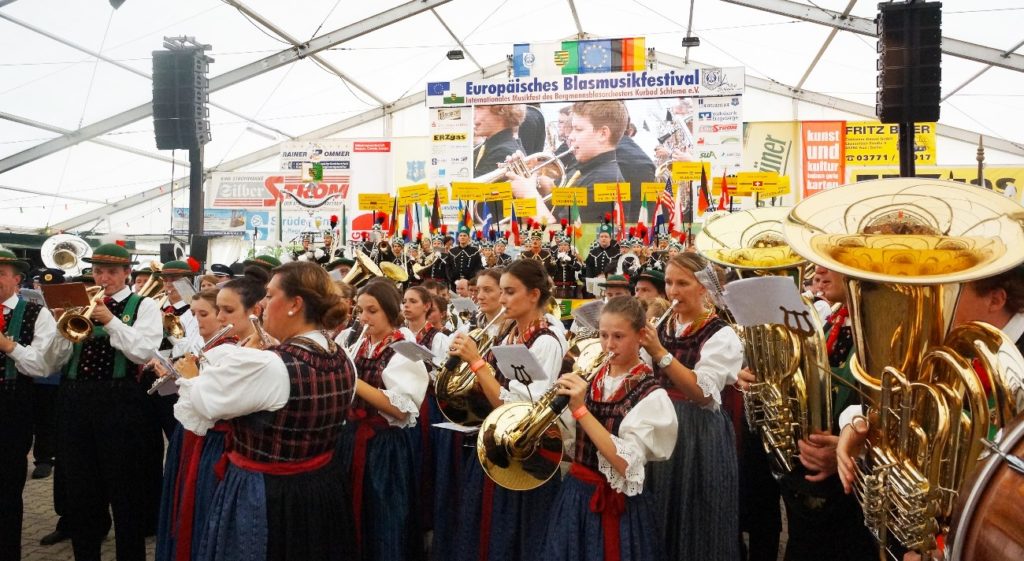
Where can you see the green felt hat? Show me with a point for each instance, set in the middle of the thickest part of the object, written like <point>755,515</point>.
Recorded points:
<point>110,254</point>
<point>654,276</point>
<point>614,281</point>
<point>266,261</point>
<point>177,269</point>
<point>8,257</point>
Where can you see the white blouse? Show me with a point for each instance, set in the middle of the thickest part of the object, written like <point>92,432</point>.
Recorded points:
<point>719,364</point>
<point>647,434</point>
<point>137,342</point>
<point>34,359</point>
<point>549,350</point>
<point>405,385</point>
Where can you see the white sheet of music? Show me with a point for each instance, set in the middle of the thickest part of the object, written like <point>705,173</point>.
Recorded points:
<point>761,300</point>
<point>516,362</point>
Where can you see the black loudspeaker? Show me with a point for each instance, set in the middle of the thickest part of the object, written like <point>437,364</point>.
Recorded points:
<point>199,248</point>
<point>180,94</point>
<point>909,62</point>
<point>166,252</point>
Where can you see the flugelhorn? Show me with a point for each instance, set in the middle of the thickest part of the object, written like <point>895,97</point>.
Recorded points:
<point>352,350</point>
<point>75,325</point>
<point>905,246</point>
<point>519,444</point>
<point>209,344</point>
<point>259,336</point>
<point>459,396</point>
<point>791,397</point>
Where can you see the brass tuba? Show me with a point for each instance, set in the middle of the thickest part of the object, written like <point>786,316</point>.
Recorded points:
<point>459,397</point>
<point>65,252</point>
<point>791,398</point>
<point>905,246</point>
<point>365,269</point>
<point>519,444</point>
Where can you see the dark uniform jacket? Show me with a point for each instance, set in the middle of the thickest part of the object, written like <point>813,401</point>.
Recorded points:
<point>467,262</point>
<point>495,149</point>
<point>603,168</point>
<point>600,257</point>
<point>636,167</point>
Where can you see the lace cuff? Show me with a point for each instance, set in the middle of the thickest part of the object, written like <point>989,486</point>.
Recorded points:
<point>508,396</point>
<point>632,483</point>
<point>186,414</point>
<point>710,389</point>
<point>405,404</point>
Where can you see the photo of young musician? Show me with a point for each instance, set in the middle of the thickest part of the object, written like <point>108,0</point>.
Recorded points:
<point>696,354</point>
<point>282,496</point>
<point>624,419</point>
<point>495,523</point>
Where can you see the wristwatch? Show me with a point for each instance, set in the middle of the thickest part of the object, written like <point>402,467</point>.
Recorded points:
<point>665,361</point>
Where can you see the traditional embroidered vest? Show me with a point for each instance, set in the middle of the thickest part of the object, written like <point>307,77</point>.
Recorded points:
<point>321,388</point>
<point>686,349</point>
<point>371,371</point>
<point>610,414</point>
<point>96,359</point>
<point>20,326</point>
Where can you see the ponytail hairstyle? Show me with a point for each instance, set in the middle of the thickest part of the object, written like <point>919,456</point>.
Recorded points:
<point>251,287</point>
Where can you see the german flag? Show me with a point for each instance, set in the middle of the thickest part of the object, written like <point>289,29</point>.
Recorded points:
<point>632,53</point>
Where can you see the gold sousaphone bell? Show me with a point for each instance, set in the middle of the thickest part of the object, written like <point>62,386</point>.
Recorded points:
<point>906,246</point>
<point>365,269</point>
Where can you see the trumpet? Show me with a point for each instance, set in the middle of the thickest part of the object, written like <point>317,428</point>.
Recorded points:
<point>351,351</point>
<point>75,324</point>
<point>517,165</point>
<point>154,285</point>
<point>520,444</point>
<point>655,324</point>
<point>209,344</point>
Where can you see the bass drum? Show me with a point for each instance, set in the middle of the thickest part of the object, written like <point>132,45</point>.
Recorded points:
<point>988,522</point>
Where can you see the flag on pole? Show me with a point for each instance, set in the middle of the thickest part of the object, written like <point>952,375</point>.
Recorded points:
<point>724,199</point>
<point>485,212</point>
<point>641,217</point>
<point>393,224</point>
<point>664,212</point>
<point>409,223</point>
<point>435,214</point>
<point>574,215</point>
<point>703,194</point>
<point>513,225</point>
<point>687,214</point>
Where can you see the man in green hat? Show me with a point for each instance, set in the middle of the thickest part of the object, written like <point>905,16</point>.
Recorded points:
<point>650,285</point>
<point>27,331</point>
<point>106,431</point>
<point>267,261</point>
<point>615,285</point>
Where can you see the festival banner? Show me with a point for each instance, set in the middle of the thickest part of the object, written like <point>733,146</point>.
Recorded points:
<point>823,159</point>
<point>229,222</point>
<point>718,132</point>
<point>996,177</point>
<point>637,84</point>
<point>870,143</point>
<point>451,145</point>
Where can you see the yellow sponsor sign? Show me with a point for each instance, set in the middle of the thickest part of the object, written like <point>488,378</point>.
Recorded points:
<point>497,192</point>
<point>870,143</point>
<point>610,192</point>
<point>689,171</point>
<point>734,188</point>
<point>999,178</point>
<point>468,191</point>
<point>758,182</point>
<point>380,202</point>
<point>524,207</point>
<point>651,190</point>
<point>442,196</point>
<point>411,194</point>
<point>563,196</point>
<point>450,137</point>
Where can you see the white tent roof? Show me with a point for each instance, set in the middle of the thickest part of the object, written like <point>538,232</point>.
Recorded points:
<point>68,65</point>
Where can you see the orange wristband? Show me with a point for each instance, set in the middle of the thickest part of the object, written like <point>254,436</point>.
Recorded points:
<point>580,412</point>
<point>477,365</point>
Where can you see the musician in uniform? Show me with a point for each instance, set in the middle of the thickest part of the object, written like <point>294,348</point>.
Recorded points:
<point>466,257</point>
<point>607,250</point>
<point>501,258</point>
<point>441,269</point>
<point>494,519</point>
<point>567,267</point>
<point>140,277</point>
<point>497,124</point>
<point>631,263</point>
<point>104,424</point>
<point>812,493</point>
<point>650,285</point>
<point>283,496</point>
<point>27,332</point>
<point>537,251</point>
<point>307,252</point>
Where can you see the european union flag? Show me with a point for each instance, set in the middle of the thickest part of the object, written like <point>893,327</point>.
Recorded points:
<point>437,88</point>
<point>595,56</point>
<point>519,54</point>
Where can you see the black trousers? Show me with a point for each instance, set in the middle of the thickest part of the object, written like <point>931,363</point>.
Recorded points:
<point>823,522</point>
<point>44,422</point>
<point>760,511</point>
<point>106,428</point>
<point>15,442</point>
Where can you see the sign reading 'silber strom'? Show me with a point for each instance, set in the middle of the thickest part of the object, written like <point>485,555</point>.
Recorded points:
<point>684,82</point>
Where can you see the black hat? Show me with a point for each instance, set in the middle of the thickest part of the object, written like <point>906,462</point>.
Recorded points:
<point>338,263</point>
<point>49,276</point>
<point>220,270</point>
<point>142,271</point>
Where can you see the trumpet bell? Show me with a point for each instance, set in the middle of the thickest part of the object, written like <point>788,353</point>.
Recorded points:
<point>75,327</point>
<point>394,271</point>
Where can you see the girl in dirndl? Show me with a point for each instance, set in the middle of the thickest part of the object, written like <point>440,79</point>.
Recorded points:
<point>496,523</point>
<point>696,355</point>
<point>624,419</point>
<point>376,448</point>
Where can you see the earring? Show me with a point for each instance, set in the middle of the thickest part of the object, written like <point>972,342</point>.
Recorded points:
<point>291,313</point>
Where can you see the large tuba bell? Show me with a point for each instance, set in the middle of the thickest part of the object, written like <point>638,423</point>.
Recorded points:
<point>365,269</point>
<point>905,246</point>
<point>791,398</point>
<point>519,444</point>
<point>459,396</point>
<point>65,252</point>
